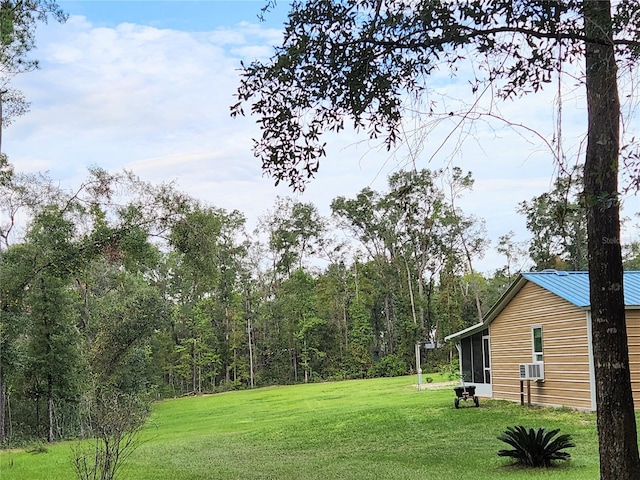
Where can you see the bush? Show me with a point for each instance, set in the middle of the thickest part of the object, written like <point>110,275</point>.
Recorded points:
<point>230,386</point>
<point>115,420</point>
<point>389,366</point>
<point>535,447</point>
<point>450,370</point>
<point>37,447</point>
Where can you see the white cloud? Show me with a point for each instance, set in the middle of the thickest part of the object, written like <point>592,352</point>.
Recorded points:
<point>156,101</point>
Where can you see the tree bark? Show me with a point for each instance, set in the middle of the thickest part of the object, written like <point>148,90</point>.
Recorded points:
<point>616,417</point>
<point>3,406</point>
<point>389,325</point>
<point>421,296</point>
<point>50,435</point>
<point>1,118</point>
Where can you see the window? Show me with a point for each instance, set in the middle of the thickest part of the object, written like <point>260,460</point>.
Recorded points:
<point>537,343</point>
<point>487,358</point>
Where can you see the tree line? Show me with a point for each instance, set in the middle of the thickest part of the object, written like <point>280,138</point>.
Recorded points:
<point>138,289</point>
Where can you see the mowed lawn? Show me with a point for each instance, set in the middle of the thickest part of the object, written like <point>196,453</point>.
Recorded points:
<point>369,429</point>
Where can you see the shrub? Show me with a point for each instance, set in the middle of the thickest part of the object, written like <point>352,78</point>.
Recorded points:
<point>389,366</point>
<point>535,447</point>
<point>450,370</point>
<point>37,447</point>
<point>115,420</point>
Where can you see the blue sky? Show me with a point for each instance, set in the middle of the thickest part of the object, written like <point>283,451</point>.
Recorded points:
<point>185,15</point>
<point>146,86</point>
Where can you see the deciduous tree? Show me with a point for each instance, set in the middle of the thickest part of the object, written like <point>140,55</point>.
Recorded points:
<point>558,224</point>
<point>295,232</point>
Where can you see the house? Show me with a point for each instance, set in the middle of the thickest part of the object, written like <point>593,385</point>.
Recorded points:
<point>544,319</point>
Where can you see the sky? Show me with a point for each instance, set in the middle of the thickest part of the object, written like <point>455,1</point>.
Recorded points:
<point>146,86</point>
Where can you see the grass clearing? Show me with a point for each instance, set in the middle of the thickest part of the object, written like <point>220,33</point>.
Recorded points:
<point>361,429</point>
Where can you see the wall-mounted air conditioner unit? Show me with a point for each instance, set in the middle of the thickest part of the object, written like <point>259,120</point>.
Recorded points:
<point>532,371</point>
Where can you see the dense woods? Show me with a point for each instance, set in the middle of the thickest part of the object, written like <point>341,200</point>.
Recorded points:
<point>128,287</point>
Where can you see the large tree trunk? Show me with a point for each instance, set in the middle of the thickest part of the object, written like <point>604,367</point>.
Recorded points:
<point>616,419</point>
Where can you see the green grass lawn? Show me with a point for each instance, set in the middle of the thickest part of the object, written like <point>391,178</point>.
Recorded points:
<point>369,429</point>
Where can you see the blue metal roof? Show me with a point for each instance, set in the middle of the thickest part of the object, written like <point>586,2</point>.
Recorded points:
<point>574,286</point>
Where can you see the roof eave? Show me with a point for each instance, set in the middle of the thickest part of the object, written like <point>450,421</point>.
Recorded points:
<point>467,331</point>
<point>493,312</point>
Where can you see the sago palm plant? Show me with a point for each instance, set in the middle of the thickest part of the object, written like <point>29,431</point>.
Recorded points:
<point>535,447</point>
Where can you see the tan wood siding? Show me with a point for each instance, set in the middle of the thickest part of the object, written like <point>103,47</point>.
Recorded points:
<point>633,334</point>
<point>565,349</point>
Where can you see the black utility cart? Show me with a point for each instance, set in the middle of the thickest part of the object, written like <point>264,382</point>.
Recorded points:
<point>465,392</point>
